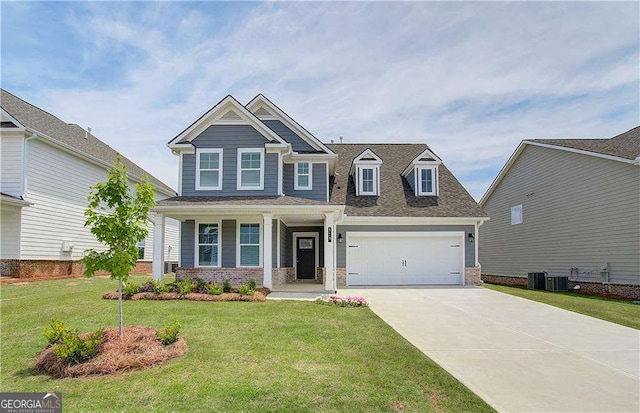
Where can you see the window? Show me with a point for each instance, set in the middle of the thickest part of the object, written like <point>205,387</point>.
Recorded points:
<point>250,169</point>
<point>368,184</point>
<point>302,176</point>
<point>209,169</point>
<point>141,245</point>
<point>426,181</point>
<point>249,245</point>
<point>208,245</point>
<point>516,215</point>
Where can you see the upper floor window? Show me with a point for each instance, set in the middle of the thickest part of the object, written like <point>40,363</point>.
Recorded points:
<point>366,173</point>
<point>516,215</point>
<point>209,169</point>
<point>368,182</point>
<point>250,169</point>
<point>427,181</point>
<point>303,176</point>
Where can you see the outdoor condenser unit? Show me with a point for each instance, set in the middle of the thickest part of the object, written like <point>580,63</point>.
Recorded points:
<point>536,280</point>
<point>557,283</point>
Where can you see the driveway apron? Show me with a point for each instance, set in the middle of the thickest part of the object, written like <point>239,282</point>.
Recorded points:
<point>518,355</point>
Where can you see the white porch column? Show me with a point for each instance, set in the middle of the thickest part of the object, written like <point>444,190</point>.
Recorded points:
<point>157,266</point>
<point>267,249</point>
<point>329,246</point>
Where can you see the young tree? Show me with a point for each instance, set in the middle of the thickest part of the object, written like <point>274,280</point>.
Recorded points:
<point>118,219</point>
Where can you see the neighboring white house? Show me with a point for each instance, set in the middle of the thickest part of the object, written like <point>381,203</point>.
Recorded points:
<point>47,167</point>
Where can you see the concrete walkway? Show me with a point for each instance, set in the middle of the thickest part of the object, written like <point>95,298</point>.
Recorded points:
<point>518,355</point>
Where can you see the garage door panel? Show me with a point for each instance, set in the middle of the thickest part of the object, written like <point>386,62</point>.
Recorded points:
<point>404,259</point>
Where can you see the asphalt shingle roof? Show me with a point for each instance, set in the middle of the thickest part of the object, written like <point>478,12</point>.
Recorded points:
<point>70,134</point>
<point>626,145</point>
<point>237,200</point>
<point>396,197</point>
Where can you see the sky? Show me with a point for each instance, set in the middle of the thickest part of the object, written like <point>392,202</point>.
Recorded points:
<point>470,79</point>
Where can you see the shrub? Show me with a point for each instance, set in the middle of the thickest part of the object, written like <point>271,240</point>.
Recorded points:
<point>130,289</point>
<point>343,301</point>
<point>226,286</point>
<point>56,331</point>
<point>201,286</point>
<point>252,284</point>
<point>73,349</point>
<point>162,288</point>
<point>169,334</point>
<point>246,289</point>
<point>185,287</point>
<point>149,287</point>
<point>214,289</point>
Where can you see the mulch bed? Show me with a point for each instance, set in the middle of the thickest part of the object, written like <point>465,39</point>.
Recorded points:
<point>138,349</point>
<point>259,296</point>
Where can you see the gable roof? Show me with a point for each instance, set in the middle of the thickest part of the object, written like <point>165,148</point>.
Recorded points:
<point>624,147</point>
<point>219,110</point>
<point>396,198</point>
<point>289,122</point>
<point>71,136</point>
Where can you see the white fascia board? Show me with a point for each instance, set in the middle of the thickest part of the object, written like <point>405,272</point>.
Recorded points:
<point>92,159</point>
<point>277,147</point>
<point>369,153</point>
<point>583,152</point>
<point>416,161</point>
<point>8,200</point>
<point>210,117</point>
<point>6,117</point>
<point>359,220</point>
<point>253,208</point>
<point>262,100</point>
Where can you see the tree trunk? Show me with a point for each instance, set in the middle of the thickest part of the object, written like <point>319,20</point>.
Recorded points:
<point>121,330</point>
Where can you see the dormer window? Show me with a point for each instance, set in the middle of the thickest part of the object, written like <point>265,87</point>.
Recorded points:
<point>422,174</point>
<point>366,173</point>
<point>209,169</point>
<point>302,179</point>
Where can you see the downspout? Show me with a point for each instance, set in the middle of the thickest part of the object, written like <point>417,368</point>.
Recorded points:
<point>477,230</point>
<point>25,161</point>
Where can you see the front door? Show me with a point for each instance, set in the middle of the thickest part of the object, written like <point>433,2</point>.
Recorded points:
<point>306,258</point>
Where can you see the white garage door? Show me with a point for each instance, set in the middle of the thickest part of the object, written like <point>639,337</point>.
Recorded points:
<point>378,258</point>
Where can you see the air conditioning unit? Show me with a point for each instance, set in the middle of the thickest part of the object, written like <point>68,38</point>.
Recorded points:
<point>536,280</point>
<point>560,283</point>
<point>170,267</point>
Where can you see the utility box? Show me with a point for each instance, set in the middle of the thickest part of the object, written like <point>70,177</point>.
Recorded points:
<point>559,283</point>
<point>536,280</point>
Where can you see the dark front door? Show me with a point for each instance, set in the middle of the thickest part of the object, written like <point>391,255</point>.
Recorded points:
<point>306,256</point>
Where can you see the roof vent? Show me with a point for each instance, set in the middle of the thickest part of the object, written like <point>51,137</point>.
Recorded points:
<point>341,139</point>
<point>86,133</point>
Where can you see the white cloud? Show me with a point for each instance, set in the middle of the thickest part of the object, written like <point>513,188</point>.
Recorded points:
<point>471,80</point>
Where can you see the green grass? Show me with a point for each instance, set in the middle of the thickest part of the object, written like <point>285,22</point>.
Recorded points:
<point>620,312</point>
<point>267,357</point>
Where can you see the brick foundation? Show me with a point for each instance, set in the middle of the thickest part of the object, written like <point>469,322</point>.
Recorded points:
<point>320,274</point>
<point>56,268</point>
<point>280,276</point>
<point>341,277</point>
<point>625,291</point>
<point>472,276</point>
<point>237,276</point>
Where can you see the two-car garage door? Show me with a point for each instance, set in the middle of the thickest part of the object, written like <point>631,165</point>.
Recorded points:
<point>379,258</point>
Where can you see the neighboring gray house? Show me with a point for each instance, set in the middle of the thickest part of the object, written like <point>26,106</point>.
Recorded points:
<point>261,198</point>
<point>46,169</point>
<point>568,207</point>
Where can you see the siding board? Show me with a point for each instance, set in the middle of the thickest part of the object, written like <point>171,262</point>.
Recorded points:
<point>318,191</point>
<point>229,243</point>
<point>11,170</point>
<point>297,143</point>
<point>187,244</point>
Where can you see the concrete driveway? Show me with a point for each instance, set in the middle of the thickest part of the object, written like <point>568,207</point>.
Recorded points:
<point>518,355</point>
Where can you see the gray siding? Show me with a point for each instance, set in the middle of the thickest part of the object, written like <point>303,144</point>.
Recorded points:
<point>187,243</point>
<point>318,191</point>
<point>288,262</point>
<point>469,248</point>
<point>285,247</point>
<point>297,143</point>
<point>411,179</point>
<point>229,243</point>
<point>229,138</point>
<point>578,210</point>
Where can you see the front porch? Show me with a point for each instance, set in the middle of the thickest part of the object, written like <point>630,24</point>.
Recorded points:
<point>291,249</point>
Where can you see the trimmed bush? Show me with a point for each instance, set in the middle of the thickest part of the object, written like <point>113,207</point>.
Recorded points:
<point>169,334</point>
<point>56,332</point>
<point>214,289</point>
<point>226,286</point>
<point>130,289</point>
<point>246,289</point>
<point>74,349</point>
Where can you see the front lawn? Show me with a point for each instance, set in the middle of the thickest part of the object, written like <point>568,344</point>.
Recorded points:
<point>273,356</point>
<point>620,312</point>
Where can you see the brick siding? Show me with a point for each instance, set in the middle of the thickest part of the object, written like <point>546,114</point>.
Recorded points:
<point>472,276</point>
<point>237,276</point>
<point>56,268</point>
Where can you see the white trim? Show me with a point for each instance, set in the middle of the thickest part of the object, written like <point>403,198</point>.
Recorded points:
<point>519,217</point>
<point>239,186</point>
<point>316,236</point>
<point>296,186</point>
<point>514,156</point>
<point>219,151</point>
<point>375,184</point>
<point>212,116</point>
<point>6,117</point>
<point>238,249</point>
<point>417,161</point>
<point>196,252</point>
<point>407,234</point>
<point>261,100</point>
<point>368,153</point>
<point>434,181</point>
<point>10,201</point>
<point>359,220</point>
<point>326,164</point>
<point>278,240</point>
<point>280,174</point>
<point>180,160</point>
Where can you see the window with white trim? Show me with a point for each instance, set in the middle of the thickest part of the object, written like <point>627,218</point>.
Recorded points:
<point>427,181</point>
<point>303,176</point>
<point>367,180</point>
<point>208,245</point>
<point>209,169</point>
<point>516,215</point>
<point>250,169</point>
<point>249,241</point>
